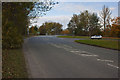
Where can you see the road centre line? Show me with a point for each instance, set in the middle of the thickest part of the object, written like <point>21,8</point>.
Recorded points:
<point>105,60</point>
<point>83,53</point>
<point>112,65</point>
<point>70,49</point>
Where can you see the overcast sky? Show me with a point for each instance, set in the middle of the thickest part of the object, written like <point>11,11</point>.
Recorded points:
<point>63,11</point>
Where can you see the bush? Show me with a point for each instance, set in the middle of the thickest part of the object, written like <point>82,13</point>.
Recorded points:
<point>11,38</point>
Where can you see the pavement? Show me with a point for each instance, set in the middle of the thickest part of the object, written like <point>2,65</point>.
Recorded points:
<point>52,57</point>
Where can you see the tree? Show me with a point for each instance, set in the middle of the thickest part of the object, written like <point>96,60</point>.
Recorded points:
<point>73,23</point>
<point>115,27</point>
<point>105,16</point>
<point>50,28</point>
<point>94,26</point>
<point>84,24</point>
<point>15,20</point>
<point>42,30</point>
<point>14,23</point>
<point>42,7</point>
<point>31,30</point>
<point>113,30</point>
<point>35,28</point>
<point>65,32</point>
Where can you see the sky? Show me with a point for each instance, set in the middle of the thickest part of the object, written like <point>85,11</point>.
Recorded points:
<point>63,11</point>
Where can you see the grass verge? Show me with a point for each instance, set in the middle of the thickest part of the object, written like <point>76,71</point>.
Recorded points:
<point>73,37</point>
<point>13,64</point>
<point>112,44</point>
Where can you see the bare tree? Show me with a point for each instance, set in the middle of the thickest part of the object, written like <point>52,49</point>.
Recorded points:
<point>105,16</point>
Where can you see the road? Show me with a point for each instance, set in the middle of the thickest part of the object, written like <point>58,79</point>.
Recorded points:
<point>52,57</point>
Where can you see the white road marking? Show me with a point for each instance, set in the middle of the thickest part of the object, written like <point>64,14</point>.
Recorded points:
<point>83,53</point>
<point>88,55</point>
<point>112,65</point>
<point>105,60</point>
<point>74,51</point>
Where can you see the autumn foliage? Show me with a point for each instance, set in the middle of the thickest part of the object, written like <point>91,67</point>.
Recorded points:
<point>50,28</point>
<point>113,30</point>
<point>66,31</point>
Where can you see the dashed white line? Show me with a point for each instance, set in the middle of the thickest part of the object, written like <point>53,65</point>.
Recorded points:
<point>112,65</point>
<point>105,60</point>
<point>83,53</point>
<point>74,51</point>
<point>88,55</point>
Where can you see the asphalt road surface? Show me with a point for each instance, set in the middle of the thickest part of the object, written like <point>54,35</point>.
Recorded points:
<point>52,57</point>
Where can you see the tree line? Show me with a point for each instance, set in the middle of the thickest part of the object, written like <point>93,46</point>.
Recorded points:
<point>47,28</point>
<point>87,24</point>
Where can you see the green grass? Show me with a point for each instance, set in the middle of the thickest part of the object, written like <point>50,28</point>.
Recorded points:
<point>73,36</point>
<point>86,37</point>
<point>13,64</point>
<point>113,44</point>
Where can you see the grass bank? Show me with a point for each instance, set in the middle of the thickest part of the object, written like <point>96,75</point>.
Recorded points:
<point>74,37</point>
<point>112,44</point>
<point>13,64</point>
